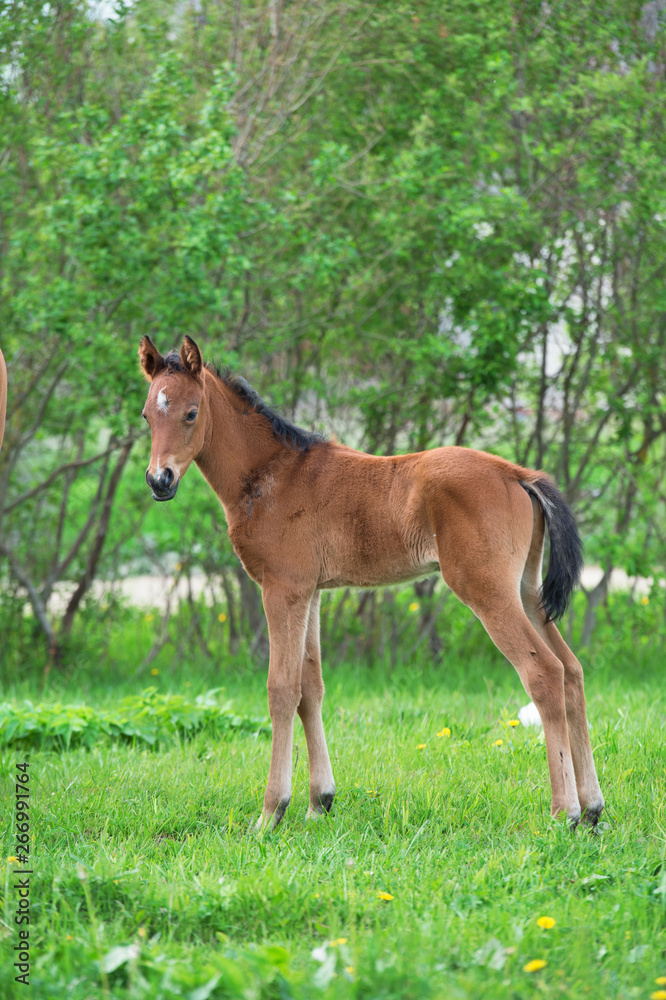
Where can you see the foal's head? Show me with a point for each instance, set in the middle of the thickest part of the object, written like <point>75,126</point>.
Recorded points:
<point>176,412</point>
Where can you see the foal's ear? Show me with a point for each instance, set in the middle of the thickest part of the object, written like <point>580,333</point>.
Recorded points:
<point>190,355</point>
<point>151,360</point>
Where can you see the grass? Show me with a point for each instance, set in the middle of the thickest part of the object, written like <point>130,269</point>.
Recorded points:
<point>149,884</point>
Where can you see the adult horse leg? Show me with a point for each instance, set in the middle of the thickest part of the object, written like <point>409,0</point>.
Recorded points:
<point>287,613</point>
<point>589,792</point>
<point>322,785</point>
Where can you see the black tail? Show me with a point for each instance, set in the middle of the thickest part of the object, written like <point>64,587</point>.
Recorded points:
<point>566,549</point>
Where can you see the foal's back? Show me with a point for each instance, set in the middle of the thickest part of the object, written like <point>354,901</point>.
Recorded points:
<point>352,519</point>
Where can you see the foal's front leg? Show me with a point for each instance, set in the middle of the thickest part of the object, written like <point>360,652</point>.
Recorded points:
<point>287,614</point>
<point>322,785</point>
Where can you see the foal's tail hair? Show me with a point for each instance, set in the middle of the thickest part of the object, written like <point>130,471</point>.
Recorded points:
<point>566,549</point>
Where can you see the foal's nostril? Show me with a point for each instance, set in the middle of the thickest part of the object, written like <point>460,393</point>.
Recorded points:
<point>164,485</point>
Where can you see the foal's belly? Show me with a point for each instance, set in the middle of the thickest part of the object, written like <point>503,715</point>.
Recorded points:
<point>369,577</point>
<point>376,551</point>
<point>387,557</point>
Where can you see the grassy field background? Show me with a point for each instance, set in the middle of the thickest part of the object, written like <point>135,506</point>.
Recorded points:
<point>428,880</point>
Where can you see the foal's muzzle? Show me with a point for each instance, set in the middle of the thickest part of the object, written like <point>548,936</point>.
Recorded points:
<point>164,486</point>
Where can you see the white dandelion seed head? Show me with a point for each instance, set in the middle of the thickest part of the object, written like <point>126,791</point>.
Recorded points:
<point>529,715</point>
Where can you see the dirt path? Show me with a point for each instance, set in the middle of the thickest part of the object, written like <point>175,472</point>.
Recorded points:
<point>153,591</point>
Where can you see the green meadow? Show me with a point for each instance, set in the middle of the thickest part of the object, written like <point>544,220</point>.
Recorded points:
<point>429,879</point>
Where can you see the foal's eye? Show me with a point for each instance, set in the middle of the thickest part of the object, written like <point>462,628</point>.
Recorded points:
<point>144,416</point>
<point>191,416</point>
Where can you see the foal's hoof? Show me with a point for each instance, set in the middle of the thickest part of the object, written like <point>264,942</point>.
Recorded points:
<point>268,821</point>
<point>321,805</point>
<point>592,813</point>
<point>570,816</point>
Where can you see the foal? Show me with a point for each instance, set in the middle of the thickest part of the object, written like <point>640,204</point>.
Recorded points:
<point>306,514</point>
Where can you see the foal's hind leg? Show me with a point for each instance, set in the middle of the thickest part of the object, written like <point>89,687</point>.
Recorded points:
<point>542,674</point>
<point>589,793</point>
<point>482,557</point>
<point>322,785</point>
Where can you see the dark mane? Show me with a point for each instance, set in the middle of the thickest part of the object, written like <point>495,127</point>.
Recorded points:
<point>286,432</point>
<point>173,363</point>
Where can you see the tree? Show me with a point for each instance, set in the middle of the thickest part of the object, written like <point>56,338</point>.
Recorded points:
<point>414,225</point>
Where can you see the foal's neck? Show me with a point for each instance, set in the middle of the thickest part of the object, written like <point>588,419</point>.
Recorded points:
<point>239,442</point>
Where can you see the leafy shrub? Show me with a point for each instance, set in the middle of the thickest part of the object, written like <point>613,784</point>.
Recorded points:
<point>149,717</point>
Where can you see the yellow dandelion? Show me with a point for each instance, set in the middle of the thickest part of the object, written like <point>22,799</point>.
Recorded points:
<point>350,970</point>
<point>11,859</point>
<point>334,944</point>
<point>660,980</point>
<point>514,722</point>
<point>658,995</point>
<point>534,965</point>
<point>142,932</point>
<point>420,746</point>
<point>645,600</point>
<point>154,671</point>
<point>498,743</point>
<point>546,923</point>
<point>149,618</point>
<point>222,617</point>
<point>69,937</point>
<point>414,606</point>
<point>178,567</point>
<point>115,881</point>
<point>385,896</point>
<point>444,732</point>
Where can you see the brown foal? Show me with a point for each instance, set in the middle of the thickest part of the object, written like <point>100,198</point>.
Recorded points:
<point>306,514</point>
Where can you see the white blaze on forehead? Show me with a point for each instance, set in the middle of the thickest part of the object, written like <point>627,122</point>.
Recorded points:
<point>162,401</point>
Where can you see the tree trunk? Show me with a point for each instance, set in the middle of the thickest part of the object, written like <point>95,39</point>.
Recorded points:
<point>595,597</point>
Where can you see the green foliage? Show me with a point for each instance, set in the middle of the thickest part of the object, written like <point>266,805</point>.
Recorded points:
<point>149,718</point>
<point>143,973</point>
<point>411,225</point>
